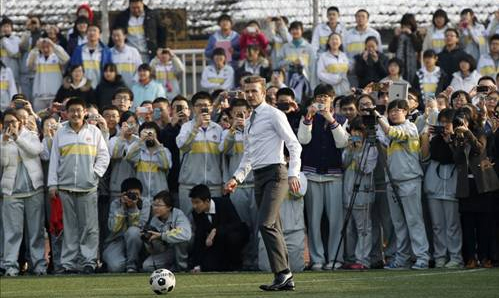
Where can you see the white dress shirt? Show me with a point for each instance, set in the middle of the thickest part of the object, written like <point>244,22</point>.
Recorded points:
<point>264,139</point>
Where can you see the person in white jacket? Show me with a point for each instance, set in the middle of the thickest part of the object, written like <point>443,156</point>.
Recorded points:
<point>333,66</point>
<point>435,34</point>
<point>79,157</point>
<point>219,75</point>
<point>23,197</point>
<point>467,77</point>
<point>9,47</point>
<point>8,86</point>
<point>322,31</point>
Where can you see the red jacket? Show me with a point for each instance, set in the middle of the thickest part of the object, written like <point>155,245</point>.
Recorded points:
<point>246,40</point>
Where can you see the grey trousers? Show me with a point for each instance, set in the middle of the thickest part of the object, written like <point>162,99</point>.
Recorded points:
<point>358,240</point>
<point>17,214</point>
<point>408,222</point>
<point>80,241</point>
<point>328,195</point>
<point>123,252</point>
<point>271,186</point>
<point>447,233</point>
<point>382,229</point>
<point>243,200</point>
<point>185,203</point>
<point>173,257</point>
<point>295,244</point>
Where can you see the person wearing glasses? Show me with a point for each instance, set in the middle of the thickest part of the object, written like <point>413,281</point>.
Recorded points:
<point>79,157</point>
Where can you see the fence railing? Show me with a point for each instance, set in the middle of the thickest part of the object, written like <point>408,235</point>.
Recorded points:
<point>191,58</point>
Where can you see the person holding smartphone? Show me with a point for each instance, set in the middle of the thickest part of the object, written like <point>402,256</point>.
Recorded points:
<point>198,142</point>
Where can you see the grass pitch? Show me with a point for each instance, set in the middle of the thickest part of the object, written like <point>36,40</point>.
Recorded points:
<point>375,283</point>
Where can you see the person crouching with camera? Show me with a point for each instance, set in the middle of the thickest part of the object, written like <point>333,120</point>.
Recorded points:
<point>404,187</point>
<point>440,187</point>
<point>123,244</point>
<point>166,235</point>
<point>476,183</point>
<point>359,161</point>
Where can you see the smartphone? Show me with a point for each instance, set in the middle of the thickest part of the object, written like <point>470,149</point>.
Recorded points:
<point>205,111</point>
<point>232,94</point>
<point>142,110</point>
<point>19,104</point>
<point>398,90</point>
<point>156,114</point>
<point>437,129</point>
<point>378,86</point>
<point>482,89</point>
<point>179,109</point>
<point>283,106</point>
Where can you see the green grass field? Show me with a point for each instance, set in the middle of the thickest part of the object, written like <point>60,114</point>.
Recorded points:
<point>480,283</point>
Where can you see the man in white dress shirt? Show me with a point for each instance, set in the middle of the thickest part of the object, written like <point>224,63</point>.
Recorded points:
<point>264,138</point>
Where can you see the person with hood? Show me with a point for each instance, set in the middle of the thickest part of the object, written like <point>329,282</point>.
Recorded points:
<point>145,29</point>
<point>111,81</point>
<point>93,55</point>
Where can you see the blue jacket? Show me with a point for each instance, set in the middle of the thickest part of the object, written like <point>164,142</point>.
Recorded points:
<point>77,58</point>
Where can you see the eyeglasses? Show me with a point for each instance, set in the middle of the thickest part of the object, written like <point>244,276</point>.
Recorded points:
<point>158,205</point>
<point>202,106</point>
<point>491,98</point>
<point>76,111</point>
<point>122,97</point>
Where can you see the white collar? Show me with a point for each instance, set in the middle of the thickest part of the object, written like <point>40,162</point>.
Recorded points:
<point>212,210</point>
<point>81,84</point>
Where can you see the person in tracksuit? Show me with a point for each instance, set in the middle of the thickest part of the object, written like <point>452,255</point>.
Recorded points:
<point>243,198</point>
<point>322,138</point>
<point>23,196</point>
<point>200,156</point>
<point>440,186</point>
<point>79,157</point>
<point>167,236</point>
<point>151,161</point>
<point>118,149</point>
<point>403,163</point>
<point>123,243</point>
<point>359,161</point>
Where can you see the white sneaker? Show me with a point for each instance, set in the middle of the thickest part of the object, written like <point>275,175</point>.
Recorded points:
<point>11,272</point>
<point>453,265</point>
<point>316,267</point>
<point>440,263</point>
<point>329,266</point>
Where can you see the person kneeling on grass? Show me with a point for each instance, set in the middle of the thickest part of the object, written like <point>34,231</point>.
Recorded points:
<point>220,235</point>
<point>166,235</point>
<point>124,244</point>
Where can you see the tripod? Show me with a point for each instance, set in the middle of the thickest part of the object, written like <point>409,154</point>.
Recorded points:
<point>371,142</point>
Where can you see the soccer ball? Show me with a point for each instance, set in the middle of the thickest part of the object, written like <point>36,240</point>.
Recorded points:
<point>162,281</point>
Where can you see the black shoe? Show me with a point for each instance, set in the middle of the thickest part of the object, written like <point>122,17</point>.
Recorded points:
<point>281,282</point>
<point>88,270</point>
<point>70,271</point>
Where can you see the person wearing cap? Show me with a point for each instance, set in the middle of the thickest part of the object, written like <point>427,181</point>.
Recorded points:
<point>323,138</point>
<point>146,89</point>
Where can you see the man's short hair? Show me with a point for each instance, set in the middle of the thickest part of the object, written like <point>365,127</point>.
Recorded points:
<point>348,100</point>
<point>452,30</point>
<point>362,10</point>
<point>150,125</point>
<point>95,25</point>
<point>285,92</point>
<point>324,89</point>
<point>201,192</point>
<point>201,95</point>
<point>161,100</point>
<point>333,8</point>
<point>224,17</point>
<point>123,90</point>
<point>6,21</point>
<point>372,38</point>
<point>218,52</point>
<point>144,67</point>
<point>429,54</point>
<point>179,98</point>
<point>9,111</point>
<point>131,183</point>
<point>134,1</point>
<point>239,102</point>
<point>123,29</point>
<point>110,108</point>
<point>493,37</point>
<point>75,100</point>
<point>486,78</point>
<point>296,25</point>
<point>164,196</point>
<point>19,96</point>
<point>255,80</point>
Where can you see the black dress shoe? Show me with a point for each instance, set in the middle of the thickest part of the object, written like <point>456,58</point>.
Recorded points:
<point>88,270</point>
<point>70,271</point>
<point>282,282</point>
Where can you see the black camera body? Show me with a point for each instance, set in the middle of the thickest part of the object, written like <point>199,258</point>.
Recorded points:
<point>146,235</point>
<point>135,198</point>
<point>438,130</point>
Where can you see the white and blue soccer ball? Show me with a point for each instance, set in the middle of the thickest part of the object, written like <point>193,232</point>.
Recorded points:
<point>162,281</point>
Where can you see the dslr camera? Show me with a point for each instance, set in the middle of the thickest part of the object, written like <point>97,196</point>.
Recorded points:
<point>146,235</point>
<point>369,122</point>
<point>135,198</point>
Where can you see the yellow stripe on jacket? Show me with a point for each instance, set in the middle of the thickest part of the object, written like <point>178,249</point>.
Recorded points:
<point>411,145</point>
<point>437,43</point>
<point>323,40</point>
<point>162,75</point>
<point>337,68</point>
<point>3,53</point>
<point>135,30</point>
<point>91,64</point>
<point>488,70</point>
<point>292,57</point>
<point>4,85</point>
<point>78,149</point>
<point>429,87</point>
<point>126,67</point>
<point>238,148</point>
<point>219,81</point>
<point>147,167</point>
<point>201,147</point>
<point>46,68</point>
<point>355,47</point>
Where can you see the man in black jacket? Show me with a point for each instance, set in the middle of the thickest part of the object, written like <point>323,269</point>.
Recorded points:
<point>371,65</point>
<point>144,28</point>
<point>451,54</point>
<point>220,235</point>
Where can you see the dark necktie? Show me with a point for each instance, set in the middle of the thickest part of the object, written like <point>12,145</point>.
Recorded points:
<point>252,119</point>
